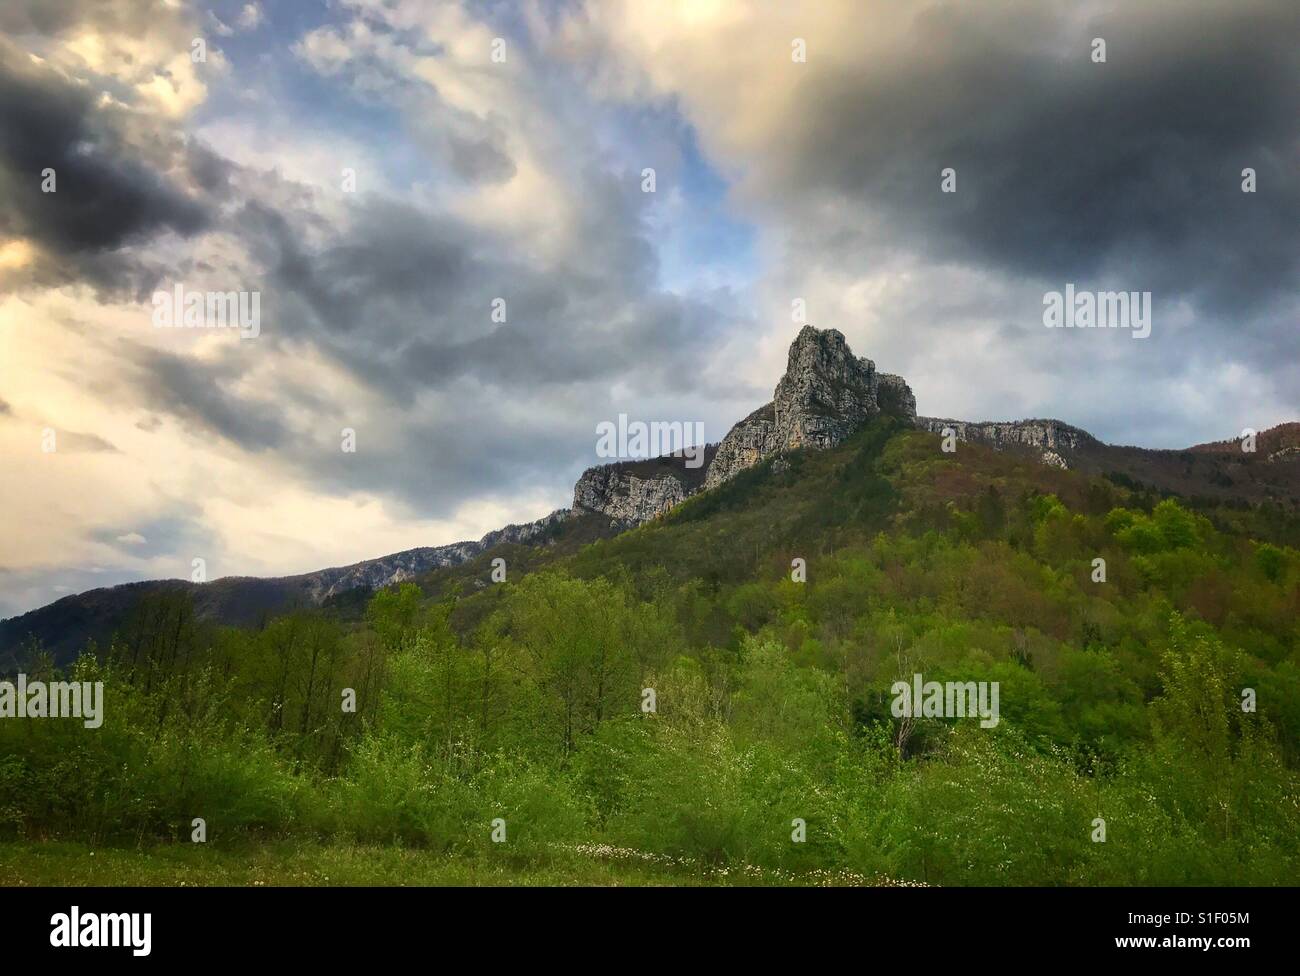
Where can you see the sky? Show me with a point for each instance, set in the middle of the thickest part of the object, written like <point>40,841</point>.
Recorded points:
<point>389,177</point>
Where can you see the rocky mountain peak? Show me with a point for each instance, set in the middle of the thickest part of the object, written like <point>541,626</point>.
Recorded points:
<point>826,392</point>
<point>825,395</point>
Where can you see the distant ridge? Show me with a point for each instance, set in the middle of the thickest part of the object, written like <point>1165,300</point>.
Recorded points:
<point>825,395</point>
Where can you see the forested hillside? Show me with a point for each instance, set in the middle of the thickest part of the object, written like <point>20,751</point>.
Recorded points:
<point>686,694</point>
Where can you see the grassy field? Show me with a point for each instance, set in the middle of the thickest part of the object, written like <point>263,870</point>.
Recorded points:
<point>55,863</point>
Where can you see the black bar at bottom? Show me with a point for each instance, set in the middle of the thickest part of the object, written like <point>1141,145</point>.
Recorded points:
<point>961,927</point>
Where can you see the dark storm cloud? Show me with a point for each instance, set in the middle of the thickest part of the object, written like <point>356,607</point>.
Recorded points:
<point>1067,168</point>
<point>403,299</point>
<point>208,169</point>
<point>461,451</point>
<point>400,298</point>
<point>459,407</point>
<point>480,158</point>
<point>397,295</point>
<point>455,407</point>
<point>108,194</point>
<point>199,394</point>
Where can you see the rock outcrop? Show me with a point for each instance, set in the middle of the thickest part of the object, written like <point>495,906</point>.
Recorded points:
<point>632,492</point>
<point>747,443</point>
<point>826,394</point>
<point>625,497</point>
<point>896,397</point>
<point>1050,440</point>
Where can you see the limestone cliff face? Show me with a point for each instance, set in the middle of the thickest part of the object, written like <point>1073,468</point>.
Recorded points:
<point>1050,440</point>
<point>747,443</point>
<point>896,397</point>
<point>825,395</point>
<point>632,492</point>
<point>624,497</point>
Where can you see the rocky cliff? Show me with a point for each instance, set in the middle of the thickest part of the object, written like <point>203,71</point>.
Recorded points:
<point>747,443</point>
<point>1050,440</point>
<point>896,397</point>
<point>826,394</point>
<point>632,492</point>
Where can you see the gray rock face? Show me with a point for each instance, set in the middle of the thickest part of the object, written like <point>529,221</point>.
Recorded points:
<point>896,397</point>
<point>632,492</point>
<point>747,443</point>
<point>825,395</point>
<point>613,491</point>
<point>1047,439</point>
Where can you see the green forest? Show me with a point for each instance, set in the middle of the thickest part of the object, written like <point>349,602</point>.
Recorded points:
<point>679,704</point>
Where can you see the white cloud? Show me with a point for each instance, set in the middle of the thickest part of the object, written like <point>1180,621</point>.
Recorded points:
<point>250,16</point>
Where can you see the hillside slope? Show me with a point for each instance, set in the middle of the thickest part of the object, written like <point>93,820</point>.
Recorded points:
<point>770,620</point>
<point>62,628</point>
<point>825,395</point>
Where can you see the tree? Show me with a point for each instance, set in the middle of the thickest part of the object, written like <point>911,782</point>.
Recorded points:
<point>393,613</point>
<point>587,647</point>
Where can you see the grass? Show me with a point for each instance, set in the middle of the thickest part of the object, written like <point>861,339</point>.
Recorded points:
<point>300,863</point>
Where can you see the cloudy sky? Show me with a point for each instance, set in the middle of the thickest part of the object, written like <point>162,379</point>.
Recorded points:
<point>380,179</point>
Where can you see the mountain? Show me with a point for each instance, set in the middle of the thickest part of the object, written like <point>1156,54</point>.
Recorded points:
<point>1275,444</point>
<point>632,492</point>
<point>1220,471</point>
<point>825,396</point>
<point>827,393</point>
<point>64,627</point>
